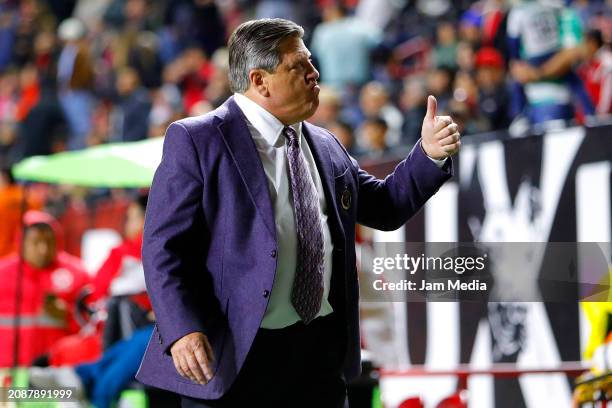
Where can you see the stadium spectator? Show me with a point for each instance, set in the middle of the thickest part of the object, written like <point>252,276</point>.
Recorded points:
<point>445,52</point>
<point>439,83</point>
<point>208,26</point>
<point>166,107</point>
<point>373,131</point>
<point>29,17</point>
<point>413,102</point>
<point>345,135</point>
<point>119,282</point>
<point>132,114</point>
<point>41,122</point>
<point>342,46</point>
<point>75,78</point>
<point>30,92</point>
<point>495,26</point>
<point>143,56</point>
<point>538,34</point>
<point>470,25</point>
<point>464,104</point>
<point>465,57</point>
<point>7,31</point>
<point>375,101</point>
<point>121,272</point>
<point>596,72</point>
<point>49,283</point>
<point>493,99</point>
<point>329,107</point>
<point>8,131</point>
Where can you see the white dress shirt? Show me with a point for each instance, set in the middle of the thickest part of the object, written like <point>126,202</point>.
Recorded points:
<point>271,144</point>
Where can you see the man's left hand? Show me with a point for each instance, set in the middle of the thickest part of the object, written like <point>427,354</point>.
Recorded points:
<point>440,136</point>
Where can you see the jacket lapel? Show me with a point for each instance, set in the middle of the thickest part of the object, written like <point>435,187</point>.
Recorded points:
<point>320,150</point>
<point>244,153</point>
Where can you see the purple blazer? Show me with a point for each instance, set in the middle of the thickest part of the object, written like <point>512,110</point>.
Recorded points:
<point>209,249</point>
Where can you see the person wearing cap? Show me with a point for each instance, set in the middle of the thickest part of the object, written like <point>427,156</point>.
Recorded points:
<point>493,98</point>
<point>47,281</point>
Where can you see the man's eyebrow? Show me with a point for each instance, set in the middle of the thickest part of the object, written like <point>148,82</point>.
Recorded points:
<point>299,61</point>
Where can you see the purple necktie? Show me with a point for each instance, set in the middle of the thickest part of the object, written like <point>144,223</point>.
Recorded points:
<point>307,291</point>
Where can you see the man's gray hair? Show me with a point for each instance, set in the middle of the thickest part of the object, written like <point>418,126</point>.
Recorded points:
<point>255,45</point>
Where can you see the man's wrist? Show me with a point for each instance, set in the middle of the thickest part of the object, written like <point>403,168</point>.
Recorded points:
<point>437,162</point>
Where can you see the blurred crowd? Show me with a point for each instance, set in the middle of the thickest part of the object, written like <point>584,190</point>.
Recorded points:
<point>84,72</point>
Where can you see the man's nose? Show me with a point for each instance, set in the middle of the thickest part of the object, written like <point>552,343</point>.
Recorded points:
<point>313,74</point>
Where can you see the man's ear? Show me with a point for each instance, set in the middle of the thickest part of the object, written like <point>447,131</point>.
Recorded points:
<point>259,81</point>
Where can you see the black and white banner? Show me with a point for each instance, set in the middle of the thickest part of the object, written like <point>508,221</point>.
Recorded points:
<point>550,188</point>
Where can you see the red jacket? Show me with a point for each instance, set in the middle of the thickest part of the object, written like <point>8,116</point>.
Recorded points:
<point>38,330</point>
<point>597,76</point>
<point>123,260</point>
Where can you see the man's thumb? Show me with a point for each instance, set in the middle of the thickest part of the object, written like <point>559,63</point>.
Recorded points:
<point>432,107</point>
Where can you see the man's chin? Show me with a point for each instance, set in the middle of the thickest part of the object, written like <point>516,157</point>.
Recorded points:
<point>312,110</point>
<point>314,104</point>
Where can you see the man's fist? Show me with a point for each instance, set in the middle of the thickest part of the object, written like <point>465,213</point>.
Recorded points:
<point>439,135</point>
<point>192,357</point>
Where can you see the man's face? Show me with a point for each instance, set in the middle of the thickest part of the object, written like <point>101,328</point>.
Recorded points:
<point>39,248</point>
<point>293,89</point>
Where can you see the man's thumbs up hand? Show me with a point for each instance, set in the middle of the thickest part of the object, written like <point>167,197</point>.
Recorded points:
<point>432,107</point>
<point>439,134</point>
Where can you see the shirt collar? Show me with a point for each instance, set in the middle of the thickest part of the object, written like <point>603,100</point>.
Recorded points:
<point>268,126</point>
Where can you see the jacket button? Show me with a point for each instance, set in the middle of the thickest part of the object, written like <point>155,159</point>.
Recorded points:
<point>273,253</point>
<point>266,293</point>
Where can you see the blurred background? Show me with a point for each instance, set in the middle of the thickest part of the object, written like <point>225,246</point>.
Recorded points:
<point>529,83</point>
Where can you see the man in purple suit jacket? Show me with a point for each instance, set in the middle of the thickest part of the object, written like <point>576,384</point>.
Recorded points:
<point>249,235</point>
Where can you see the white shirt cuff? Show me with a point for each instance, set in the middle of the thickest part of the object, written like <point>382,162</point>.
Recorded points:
<point>437,162</point>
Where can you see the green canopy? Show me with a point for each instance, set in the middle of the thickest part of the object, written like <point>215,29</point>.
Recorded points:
<point>123,165</point>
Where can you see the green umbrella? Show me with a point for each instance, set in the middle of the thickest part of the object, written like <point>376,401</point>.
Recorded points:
<point>129,164</point>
